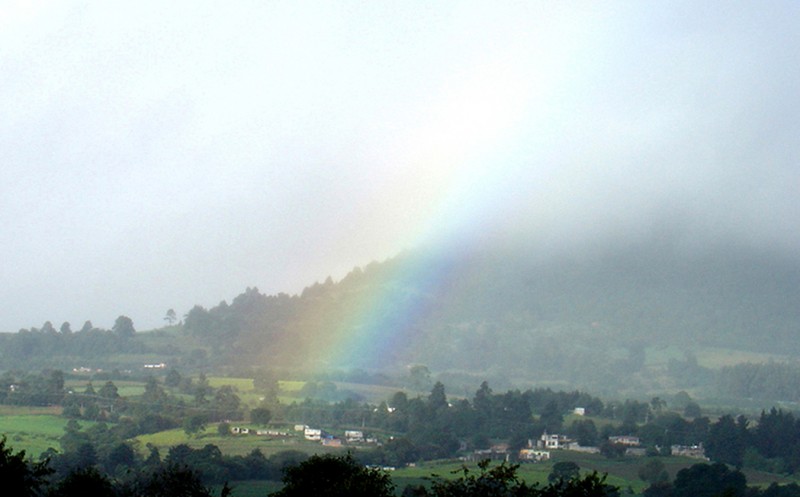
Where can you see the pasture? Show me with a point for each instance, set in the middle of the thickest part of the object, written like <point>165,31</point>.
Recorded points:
<point>33,429</point>
<point>233,444</point>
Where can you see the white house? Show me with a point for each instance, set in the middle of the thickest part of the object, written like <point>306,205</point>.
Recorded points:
<point>553,441</point>
<point>352,436</point>
<point>534,455</point>
<point>313,434</point>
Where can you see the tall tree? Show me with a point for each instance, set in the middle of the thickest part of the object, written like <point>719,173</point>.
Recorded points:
<point>334,476</point>
<point>19,477</point>
<point>564,470</point>
<point>81,482</point>
<point>437,399</point>
<point>727,441</point>
<point>123,327</point>
<point>260,416</point>
<point>709,480</point>
<point>109,391</point>
<point>170,317</point>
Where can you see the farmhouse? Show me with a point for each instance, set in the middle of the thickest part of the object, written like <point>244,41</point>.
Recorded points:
<point>313,434</point>
<point>552,441</point>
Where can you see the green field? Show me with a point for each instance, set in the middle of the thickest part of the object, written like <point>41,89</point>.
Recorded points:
<point>125,388</point>
<point>254,488</point>
<point>240,384</point>
<point>233,444</point>
<point>290,386</point>
<point>31,431</point>
<point>709,357</point>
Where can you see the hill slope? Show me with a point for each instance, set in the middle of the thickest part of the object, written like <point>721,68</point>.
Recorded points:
<point>579,319</point>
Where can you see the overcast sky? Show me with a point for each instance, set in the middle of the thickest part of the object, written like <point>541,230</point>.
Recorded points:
<point>158,155</point>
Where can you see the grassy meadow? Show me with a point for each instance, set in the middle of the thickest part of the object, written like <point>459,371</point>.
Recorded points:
<point>33,429</point>
<point>233,444</point>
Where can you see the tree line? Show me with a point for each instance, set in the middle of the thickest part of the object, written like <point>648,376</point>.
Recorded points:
<point>416,428</point>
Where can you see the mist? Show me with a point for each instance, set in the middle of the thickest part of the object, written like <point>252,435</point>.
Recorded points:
<point>157,157</point>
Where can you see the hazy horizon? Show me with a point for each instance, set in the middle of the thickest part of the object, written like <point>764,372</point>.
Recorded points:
<point>159,156</point>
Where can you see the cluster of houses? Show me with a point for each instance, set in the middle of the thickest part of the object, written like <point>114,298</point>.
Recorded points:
<point>351,437</point>
<point>539,450</point>
<point>241,430</point>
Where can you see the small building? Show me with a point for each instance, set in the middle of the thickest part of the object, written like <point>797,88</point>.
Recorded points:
<point>579,411</point>
<point>353,436</point>
<point>533,455</point>
<point>331,442</point>
<point>300,427</point>
<point>500,448</point>
<point>693,451</point>
<point>313,434</point>
<point>586,449</point>
<point>491,454</point>
<point>627,440</point>
<point>636,451</point>
<point>552,441</point>
<point>272,433</point>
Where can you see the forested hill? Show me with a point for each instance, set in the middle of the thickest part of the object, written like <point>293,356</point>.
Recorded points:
<point>590,321</point>
<point>512,311</point>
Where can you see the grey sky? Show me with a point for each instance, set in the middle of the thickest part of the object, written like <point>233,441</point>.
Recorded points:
<point>163,154</point>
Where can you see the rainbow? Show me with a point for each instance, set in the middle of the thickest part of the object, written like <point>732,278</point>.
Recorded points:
<point>457,150</point>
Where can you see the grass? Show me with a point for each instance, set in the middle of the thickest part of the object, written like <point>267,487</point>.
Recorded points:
<point>250,488</point>
<point>709,357</point>
<point>125,388</point>
<point>233,445</point>
<point>33,430</point>
<point>528,472</point>
<point>763,479</point>
<point>290,386</point>
<point>8,410</point>
<point>375,394</point>
<point>717,357</point>
<point>240,384</point>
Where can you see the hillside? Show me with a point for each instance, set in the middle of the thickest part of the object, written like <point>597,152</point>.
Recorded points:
<point>581,320</point>
<point>645,319</point>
